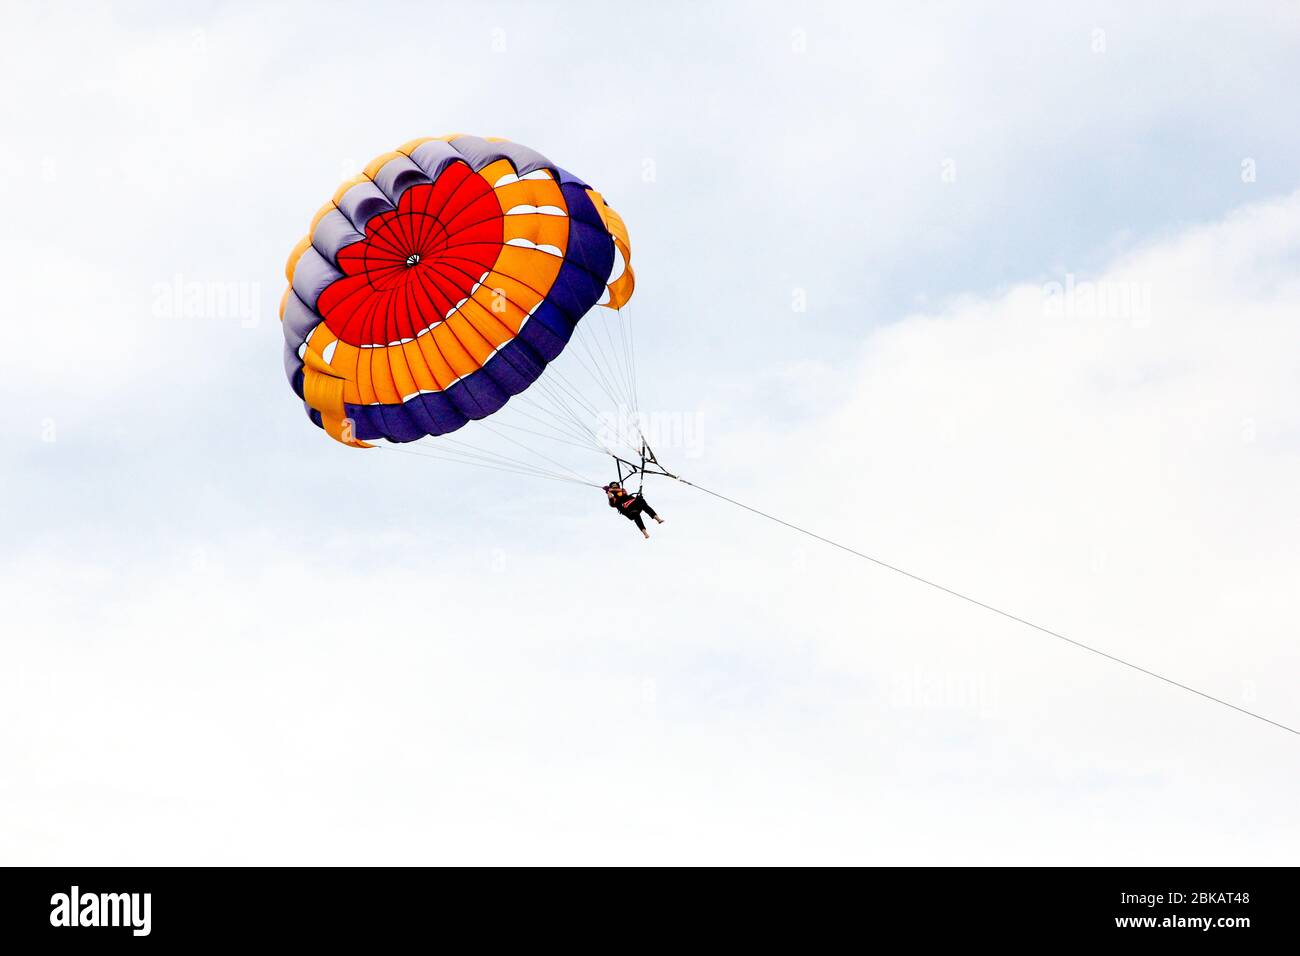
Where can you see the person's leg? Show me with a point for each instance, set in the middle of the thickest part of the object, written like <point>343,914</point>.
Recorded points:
<point>639,523</point>
<point>645,506</point>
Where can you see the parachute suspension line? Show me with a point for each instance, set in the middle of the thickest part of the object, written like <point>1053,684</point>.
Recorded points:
<point>556,394</point>
<point>626,323</point>
<point>625,351</point>
<point>458,442</point>
<point>462,449</point>
<point>629,354</point>
<point>598,375</point>
<point>597,369</point>
<point>607,361</point>
<point>555,425</point>
<point>558,418</point>
<point>587,446</point>
<point>561,383</point>
<point>611,368</point>
<point>529,473</point>
<point>558,387</point>
<point>618,363</point>
<point>622,369</point>
<point>621,330</point>
<point>562,412</point>
<point>562,441</point>
<point>564,422</point>
<point>534,451</point>
<point>591,342</point>
<point>989,607</point>
<point>621,436</point>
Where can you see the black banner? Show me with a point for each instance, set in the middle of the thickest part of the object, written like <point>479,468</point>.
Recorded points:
<point>99,908</point>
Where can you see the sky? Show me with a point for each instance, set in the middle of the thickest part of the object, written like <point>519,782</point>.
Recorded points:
<point>1007,298</point>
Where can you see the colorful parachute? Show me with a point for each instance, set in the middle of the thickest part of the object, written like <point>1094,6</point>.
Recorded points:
<point>440,282</point>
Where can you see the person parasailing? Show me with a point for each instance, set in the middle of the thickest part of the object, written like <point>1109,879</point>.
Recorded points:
<point>630,505</point>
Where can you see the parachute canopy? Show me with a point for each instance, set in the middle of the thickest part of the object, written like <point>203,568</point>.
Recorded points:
<point>440,282</point>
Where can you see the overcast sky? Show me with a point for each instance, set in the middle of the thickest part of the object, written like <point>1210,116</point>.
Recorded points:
<point>1008,298</point>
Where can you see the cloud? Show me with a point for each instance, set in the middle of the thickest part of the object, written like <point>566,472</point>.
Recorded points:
<point>540,685</point>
